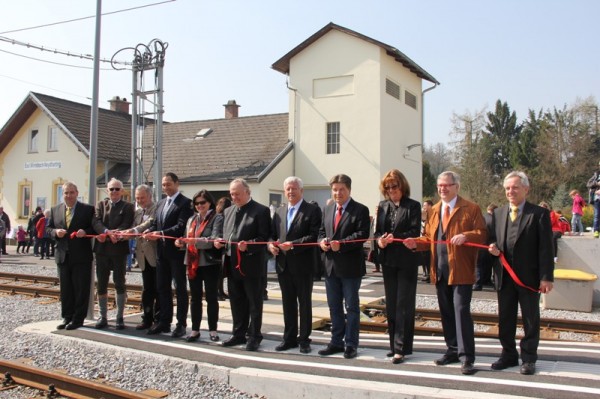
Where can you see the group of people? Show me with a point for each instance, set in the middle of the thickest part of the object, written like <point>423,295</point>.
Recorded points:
<point>199,240</point>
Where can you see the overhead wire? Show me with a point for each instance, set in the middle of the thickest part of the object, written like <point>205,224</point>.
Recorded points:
<point>45,87</point>
<point>53,62</point>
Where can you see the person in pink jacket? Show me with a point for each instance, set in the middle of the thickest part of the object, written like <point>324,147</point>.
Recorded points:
<point>578,205</point>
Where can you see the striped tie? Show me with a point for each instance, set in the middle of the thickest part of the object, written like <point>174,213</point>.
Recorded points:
<point>68,216</point>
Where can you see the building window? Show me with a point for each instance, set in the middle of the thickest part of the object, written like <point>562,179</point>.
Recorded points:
<point>52,138</point>
<point>410,99</point>
<point>392,88</point>
<point>33,140</point>
<point>57,192</point>
<point>333,138</point>
<point>25,199</point>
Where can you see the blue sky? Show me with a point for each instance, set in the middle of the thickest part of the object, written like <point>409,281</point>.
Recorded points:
<point>529,53</point>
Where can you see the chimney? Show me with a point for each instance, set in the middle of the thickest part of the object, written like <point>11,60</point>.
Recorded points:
<point>119,105</point>
<point>231,109</point>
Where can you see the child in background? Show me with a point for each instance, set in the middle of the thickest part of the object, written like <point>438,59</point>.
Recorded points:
<point>578,205</point>
<point>21,239</point>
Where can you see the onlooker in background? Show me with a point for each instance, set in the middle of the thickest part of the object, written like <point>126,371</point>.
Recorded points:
<point>577,210</point>
<point>485,259</point>
<point>6,221</point>
<point>426,255</point>
<point>222,204</point>
<point>32,232</point>
<point>21,238</point>
<point>556,228</point>
<point>563,222</point>
<point>594,186</point>
<point>398,217</point>
<point>41,236</point>
<point>2,231</point>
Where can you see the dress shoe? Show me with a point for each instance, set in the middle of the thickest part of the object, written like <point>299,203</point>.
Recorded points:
<point>73,326</point>
<point>192,338</point>
<point>447,359</point>
<point>158,329</point>
<point>467,368</point>
<point>502,364</point>
<point>397,359</point>
<point>63,324</point>
<point>214,337</point>
<point>233,341</point>
<point>331,350</point>
<point>120,324</point>
<point>528,368</point>
<point>252,345</point>
<point>305,348</point>
<point>143,326</point>
<point>179,331</point>
<point>350,352</point>
<point>101,323</point>
<point>389,354</point>
<point>285,346</point>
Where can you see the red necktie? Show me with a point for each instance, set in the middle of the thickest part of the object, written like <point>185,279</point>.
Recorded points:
<point>338,217</point>
<point>446,218</point>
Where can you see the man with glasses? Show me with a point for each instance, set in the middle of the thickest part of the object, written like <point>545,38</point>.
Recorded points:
<point>453,222</point>
<point>112,216</point>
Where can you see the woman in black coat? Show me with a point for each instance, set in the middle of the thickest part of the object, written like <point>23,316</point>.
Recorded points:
<point>203,262</point>
<point>398,216</point>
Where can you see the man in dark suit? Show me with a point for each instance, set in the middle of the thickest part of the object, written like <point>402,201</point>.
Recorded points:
<point>523,232</point>
<point>145,253</point>
<point>456,221</point>
<point>245,222</point>
<point>112,216</point>
<point>343,220</point>
<point>172,214</point>
<point>6,221</point>
<point>296,223</point>
<point>73,256</point>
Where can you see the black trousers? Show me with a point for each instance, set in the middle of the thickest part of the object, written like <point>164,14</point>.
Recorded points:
<point>75,283</point>
<point>207,283</point>
<point>168,270</point>
<point>400,284</point>
<point>296,297</point>
<point>246,301</point>
<point>455,309</point>
<point>150,302</point>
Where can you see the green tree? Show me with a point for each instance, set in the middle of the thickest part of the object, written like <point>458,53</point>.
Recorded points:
<point>501,131</point>
<point>429,181</point>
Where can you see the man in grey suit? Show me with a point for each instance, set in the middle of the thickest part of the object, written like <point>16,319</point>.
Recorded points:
<point>145,252</point>
<point>112,216</point>
<point>73,256</point>
<point>343,220</point>
<point>524,233</point>
<point>296,223</point>
<point>172,214</point>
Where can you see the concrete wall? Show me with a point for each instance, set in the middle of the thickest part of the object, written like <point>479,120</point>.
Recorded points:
<point>581,253</point>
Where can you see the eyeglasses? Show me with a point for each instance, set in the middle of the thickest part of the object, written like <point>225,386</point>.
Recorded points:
<point>389,188</point>
<point>115,189</point>
<point>200,202</point>
<point>446,185</point>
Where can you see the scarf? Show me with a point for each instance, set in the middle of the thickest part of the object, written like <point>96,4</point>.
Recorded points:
<point>193,253</point>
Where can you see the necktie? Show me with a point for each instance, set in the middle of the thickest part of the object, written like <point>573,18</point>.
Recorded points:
<point>166,209</point>
<point>446,218</point>
<point>514,212</point>
<point>68,216</point>
<point>290,217</point>
<point>338,217</point>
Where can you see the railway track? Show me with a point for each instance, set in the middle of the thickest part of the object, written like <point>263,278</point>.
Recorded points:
<point>56,385</point>
<point>47,286</point>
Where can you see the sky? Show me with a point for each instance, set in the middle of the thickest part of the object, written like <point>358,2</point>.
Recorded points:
<point>532,54</point>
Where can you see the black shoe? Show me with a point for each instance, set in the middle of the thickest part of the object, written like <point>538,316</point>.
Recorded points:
<point>389,354</point>
<point>447,359</point>
<point>502,364</point>
<point>73,326</point>
<point>179,331</point>
<point>233,341</point>
<point>331,350</point>
<point>120,325</point>
<point>305,348</point>
<point>477,287</point>
<point>350,352</point>
<point>192,338</point>
<point>528,368</point>
<point>285,346</point>
<point>252,345</point>
<point>63,324</point>
<point>467,368</point>
<point>143,326</point>
<point>158,329</point>
<point>397,359</point>
<point>214,337</point>
<point>101,323</point>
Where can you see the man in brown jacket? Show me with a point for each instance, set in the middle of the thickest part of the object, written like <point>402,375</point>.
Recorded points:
<point>456,221</point>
